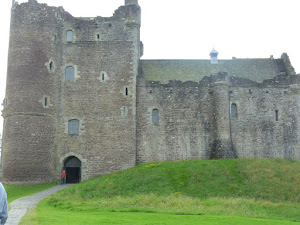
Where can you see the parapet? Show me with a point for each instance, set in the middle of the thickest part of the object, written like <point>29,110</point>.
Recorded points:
<point>33,2</point>
<point>131,2</point>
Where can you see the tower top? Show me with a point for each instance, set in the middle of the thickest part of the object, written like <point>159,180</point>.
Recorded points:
<point>214,56</point>
<point>214,53</point>
<point>131,2</point>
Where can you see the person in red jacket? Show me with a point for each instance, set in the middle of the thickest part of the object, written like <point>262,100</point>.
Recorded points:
<point>63,178</point>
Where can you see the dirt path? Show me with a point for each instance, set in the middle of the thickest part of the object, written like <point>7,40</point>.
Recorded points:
<point>19,207</point>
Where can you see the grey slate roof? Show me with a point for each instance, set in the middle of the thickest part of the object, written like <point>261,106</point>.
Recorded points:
<point>194,70</point>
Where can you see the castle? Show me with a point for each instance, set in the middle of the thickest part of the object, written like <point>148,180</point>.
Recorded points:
<point>79,97</point>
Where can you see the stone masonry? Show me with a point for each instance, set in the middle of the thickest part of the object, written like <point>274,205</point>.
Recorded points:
<point>77,89</point>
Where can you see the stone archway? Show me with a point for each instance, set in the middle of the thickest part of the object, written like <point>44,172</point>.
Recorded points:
<point>72,166</point>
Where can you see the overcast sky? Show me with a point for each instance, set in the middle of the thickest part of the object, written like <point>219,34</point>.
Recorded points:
<point>189,29</point>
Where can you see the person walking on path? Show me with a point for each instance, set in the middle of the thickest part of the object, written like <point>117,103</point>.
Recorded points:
<point>63,178</point>
<point>3,205</point>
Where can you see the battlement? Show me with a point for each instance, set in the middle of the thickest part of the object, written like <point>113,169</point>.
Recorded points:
<point>131,2</point>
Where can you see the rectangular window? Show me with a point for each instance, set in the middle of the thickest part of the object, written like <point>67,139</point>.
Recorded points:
<point>69,36</point>
<point>233,110</point>
<point>70,73</point>
<point>276,115</point>
<point>73,127</point>
<point>155,116</point>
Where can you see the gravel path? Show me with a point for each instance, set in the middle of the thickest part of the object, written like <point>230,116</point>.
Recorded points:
<point>19,207</point>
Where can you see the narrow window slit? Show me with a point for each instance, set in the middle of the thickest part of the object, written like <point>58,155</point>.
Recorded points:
<point>276,115</point>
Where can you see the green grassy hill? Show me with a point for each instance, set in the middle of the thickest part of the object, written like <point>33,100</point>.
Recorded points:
<point>261,188</point>
<point>273,180</point>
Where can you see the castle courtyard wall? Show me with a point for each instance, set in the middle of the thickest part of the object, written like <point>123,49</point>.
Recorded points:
<point>184,127</point>
<point>194,116</point>
<point>256,132</point>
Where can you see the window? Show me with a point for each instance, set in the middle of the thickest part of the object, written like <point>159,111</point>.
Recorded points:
<point>103,76</point>
<point>46,101</point>
<point>155,116</point>
<point>233,110</point>
<point>73,127</point>
<point>126,91</point>
<point>51,65</point>
<point>124,111</point>
<point>276,115</point>
<point>70,73</point>
<point>98,36</point>
<point>69,36</point>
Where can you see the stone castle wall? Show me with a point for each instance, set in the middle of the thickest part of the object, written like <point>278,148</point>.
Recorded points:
<point>28,151</point>
<point>196,122</point>
<point>184,128</point>
<point>104,53</point>
<point>255,131</point>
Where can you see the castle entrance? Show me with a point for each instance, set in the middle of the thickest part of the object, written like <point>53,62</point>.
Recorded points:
<point>72,166</point>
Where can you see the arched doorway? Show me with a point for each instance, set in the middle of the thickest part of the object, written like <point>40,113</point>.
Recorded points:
<point>72,166</point>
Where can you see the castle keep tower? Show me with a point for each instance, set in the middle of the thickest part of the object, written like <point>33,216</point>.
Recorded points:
<point>71,93</point>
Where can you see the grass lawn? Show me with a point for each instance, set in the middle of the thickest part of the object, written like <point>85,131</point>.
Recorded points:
<point>247,191</point>
<point>46,215</point>
<point>18,191</point>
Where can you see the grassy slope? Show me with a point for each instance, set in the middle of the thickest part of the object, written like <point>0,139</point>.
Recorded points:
<point>16,191</point>
<point>268,188</point>
<point>273,180</point>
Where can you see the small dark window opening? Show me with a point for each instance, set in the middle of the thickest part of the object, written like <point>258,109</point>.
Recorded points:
<point>233,110</point>
<point>51,65</point>
<point>46,101</point>
<point>73,127</point>
<point>103,76</point>
<point>155,116</point>
<point>276,115</point>
<point>98,36</point>
<point>126,91</point>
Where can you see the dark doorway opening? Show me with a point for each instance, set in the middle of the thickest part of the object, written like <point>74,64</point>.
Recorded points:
<point>72,166</point>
